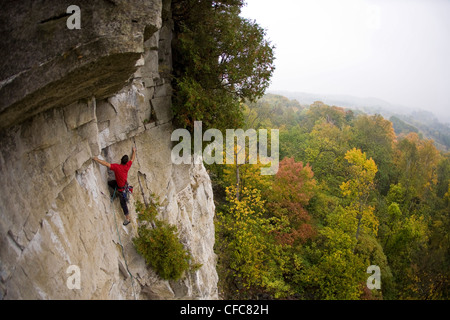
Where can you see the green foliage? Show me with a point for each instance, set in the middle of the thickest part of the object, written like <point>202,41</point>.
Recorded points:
<point>401,127</point>
<point>293,143</point>
<point>278,111</point>
<point>326,151</point>
<point>377,199</point>
<point>443,176</point>
<point>417,161</point>
<point>319,111</point>
<point>375,136</point>
<point>220,59</point>
<point>337,271</point>
<point>250,250</point>
<point>158,243</point>
<point>426,126</point>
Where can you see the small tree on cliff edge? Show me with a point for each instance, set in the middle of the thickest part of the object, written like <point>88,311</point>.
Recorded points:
<point>220,59</point>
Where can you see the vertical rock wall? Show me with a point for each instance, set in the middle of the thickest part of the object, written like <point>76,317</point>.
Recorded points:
<point>55,207</point>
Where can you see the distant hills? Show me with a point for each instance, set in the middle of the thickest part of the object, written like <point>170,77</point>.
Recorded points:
<point>336,100</point>
<point>405,119</point>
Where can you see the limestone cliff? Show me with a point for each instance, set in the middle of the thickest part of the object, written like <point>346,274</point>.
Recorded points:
<point>69,95</point>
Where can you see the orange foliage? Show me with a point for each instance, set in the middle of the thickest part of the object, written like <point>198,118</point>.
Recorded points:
<point>292,189</point>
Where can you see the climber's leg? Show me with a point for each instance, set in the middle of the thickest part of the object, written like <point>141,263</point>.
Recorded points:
<point>123,204</point>
<point>113,185</point>
<point>123,201</point>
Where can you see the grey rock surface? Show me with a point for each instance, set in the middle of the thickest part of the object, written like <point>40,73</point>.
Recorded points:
<point>56,114</point>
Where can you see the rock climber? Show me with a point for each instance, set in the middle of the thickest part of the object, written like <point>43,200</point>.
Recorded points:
<point>120,184</point>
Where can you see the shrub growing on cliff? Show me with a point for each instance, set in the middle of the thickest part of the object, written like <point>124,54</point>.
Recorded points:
<point>220,59</point>
<point>158,243</point>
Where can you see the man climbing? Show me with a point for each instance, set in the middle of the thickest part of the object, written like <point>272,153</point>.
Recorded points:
<point>120,184</point>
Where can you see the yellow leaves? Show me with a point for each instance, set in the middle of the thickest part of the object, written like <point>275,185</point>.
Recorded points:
<point>345,187</point>
<point>369,221</point>
<point>364,166</point>
<point>417,161</point>
<point>417,227</point>
<point>339,238</point>
<point>297,261</point>
<point>338,274</point>
<point>358,189</point>
<point>447,194</point>
<point>363,173</point>
<point>246,240</point>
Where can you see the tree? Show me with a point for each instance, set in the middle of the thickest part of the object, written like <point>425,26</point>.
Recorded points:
<point>358,189</point>
<point>443,176</point>
<point>319,111</point>
<point>293,143</point>
<point>405,235</point>
<point>346,244</point>
<point>291,191</point>
<point>326,150</point>
<point>249,250</point>
<point>246,176</point>
<point>375,136</point>
<point>220,59</point>
<point>432,261</point>
<point>335,272</point>
<point>417,161</point>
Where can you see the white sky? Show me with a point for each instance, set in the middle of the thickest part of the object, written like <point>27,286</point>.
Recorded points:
<point>396,50</point>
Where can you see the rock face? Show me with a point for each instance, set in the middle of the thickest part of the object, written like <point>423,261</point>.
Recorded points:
<point>46,65</point>
<point>58,112</point>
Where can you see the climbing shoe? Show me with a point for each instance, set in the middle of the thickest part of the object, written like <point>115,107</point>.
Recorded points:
<point>126,222</point>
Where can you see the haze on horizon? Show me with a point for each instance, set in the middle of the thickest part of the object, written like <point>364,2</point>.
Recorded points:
<point>395,50</point>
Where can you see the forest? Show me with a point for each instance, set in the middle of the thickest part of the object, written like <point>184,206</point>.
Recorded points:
<point>350,192</point>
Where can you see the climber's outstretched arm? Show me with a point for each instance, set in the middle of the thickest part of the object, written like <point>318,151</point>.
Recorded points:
<point>102,162</point>
<point>133,156</point>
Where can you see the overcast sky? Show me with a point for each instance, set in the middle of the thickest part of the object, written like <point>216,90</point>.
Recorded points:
<point>395,50</point>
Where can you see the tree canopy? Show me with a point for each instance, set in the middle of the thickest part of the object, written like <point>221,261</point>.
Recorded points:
<point>220,59</point>
<point>349,194</point>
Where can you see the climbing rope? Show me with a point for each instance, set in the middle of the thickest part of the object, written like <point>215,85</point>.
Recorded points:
<point>139,179</point>
<point>120,242</point>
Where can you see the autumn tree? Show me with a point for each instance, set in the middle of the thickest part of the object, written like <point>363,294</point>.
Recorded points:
<point>357,190</point>
<point>246,176</point>
<point>405,237</point>
<point>292,188</point>
<point>443,176</point>
<point>247,150</point>
<point>413,236</point>
<point>327,145</point>
<point>335,271</point>
<point>375,136</point>
<point>417,161</point>
<point>346,245</point>
<point>319,111</point>
<point>250,251</point>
